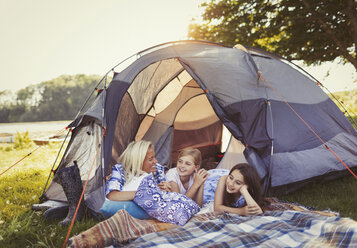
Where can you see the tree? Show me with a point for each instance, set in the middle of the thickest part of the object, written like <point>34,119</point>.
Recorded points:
<point>57,99</point>
<point>62,97</point>
<point>313,31</point>
<point>6,103</point>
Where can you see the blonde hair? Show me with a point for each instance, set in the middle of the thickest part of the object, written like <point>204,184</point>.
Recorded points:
<point>133,158</point>
<point>194,153</point>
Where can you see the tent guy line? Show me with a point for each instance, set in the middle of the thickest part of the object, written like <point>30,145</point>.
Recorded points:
<point>30,153</point>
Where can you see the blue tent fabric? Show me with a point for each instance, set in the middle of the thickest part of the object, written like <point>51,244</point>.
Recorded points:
<point>239,98</point>
<point>116,91</point>
<point>253,94</point>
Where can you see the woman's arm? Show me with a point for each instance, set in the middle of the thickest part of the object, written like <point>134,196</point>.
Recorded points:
<point>218,201</point>
<point>116,180</point>
<point>116,195</point>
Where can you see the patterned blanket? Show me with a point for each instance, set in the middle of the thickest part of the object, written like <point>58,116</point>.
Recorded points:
<point>282,225</point>
<point>272,229</point>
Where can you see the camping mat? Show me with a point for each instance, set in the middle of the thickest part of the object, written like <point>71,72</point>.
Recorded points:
<point>272,229</point>
<point>122,228</point>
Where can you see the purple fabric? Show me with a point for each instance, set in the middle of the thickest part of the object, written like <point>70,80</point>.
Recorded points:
<point>170,207</point>
<point>117,179</point>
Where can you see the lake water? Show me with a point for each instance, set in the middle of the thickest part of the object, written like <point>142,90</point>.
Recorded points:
<point>33,127</point>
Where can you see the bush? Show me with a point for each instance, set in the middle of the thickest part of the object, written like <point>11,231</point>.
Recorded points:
<point>22,141</point>
<point>6,148</point>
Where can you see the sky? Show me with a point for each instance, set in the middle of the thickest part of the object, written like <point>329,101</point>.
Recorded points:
<point>43,39</point>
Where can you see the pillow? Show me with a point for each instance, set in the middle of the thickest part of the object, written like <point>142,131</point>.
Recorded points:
<point>171,207</point>
<point>109,208</point>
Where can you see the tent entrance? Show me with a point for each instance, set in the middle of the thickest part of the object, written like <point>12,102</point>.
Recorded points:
<point>196,125</point>
<point>181,116</point>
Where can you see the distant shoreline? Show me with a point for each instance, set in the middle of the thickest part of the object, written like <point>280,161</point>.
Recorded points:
<point>38,129</point>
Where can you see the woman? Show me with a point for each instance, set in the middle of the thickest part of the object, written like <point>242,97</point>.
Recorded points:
<point>135,163</point>
<point>137,160</point>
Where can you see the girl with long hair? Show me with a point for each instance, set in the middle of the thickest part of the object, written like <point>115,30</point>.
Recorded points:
<point>239,192</point>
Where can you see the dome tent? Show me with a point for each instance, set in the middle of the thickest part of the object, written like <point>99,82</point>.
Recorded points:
<point>188,93</point>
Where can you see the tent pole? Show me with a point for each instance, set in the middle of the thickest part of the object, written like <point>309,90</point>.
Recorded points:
<point>272,149</point>
<point>103,130</point>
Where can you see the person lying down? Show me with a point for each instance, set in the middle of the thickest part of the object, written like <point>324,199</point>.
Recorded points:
<point>236,191</point>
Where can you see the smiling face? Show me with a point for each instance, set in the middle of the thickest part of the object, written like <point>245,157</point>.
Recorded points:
<point>186,166</point>
<point>234,182</point>
<point>149,161</point>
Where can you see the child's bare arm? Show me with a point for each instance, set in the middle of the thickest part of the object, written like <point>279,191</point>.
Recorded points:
<point>195,192</point>
<point>174,187</point>
<point>218,196</point>
<point>251,203</point>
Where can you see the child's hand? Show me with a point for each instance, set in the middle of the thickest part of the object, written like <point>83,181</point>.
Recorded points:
<point>243,189</point>
<point>165,186</point>
<point>254,209</point>
<point>200,176</point>
<point>251,210</point>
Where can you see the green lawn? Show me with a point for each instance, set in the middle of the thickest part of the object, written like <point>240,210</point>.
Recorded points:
<point>339,195</point>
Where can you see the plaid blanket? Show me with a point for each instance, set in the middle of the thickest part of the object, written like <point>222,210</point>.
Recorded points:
<point>272,229</point>
<point>282,225</point>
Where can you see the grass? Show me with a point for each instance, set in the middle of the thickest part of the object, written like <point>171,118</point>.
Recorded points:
<point>19,225</point>
<point>22,185</point>
<point>354,121</point>
<point>338,195</point>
